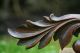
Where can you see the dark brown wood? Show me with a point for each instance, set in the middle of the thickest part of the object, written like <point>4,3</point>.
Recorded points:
<point>42,31</point>
<point>76,46</point>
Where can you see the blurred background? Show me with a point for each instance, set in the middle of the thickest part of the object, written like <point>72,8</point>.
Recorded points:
<point>15,12</point>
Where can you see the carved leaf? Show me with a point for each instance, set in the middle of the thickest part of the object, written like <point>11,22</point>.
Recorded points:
<point>76,46</point>
<point>39,23</point>
<point>46,39</point>
<point>26,32</point>
<point>42,31</point>
<point>30,42</point>
<point>66,34</point>
<point>62,25</point>
<point>65,17</point>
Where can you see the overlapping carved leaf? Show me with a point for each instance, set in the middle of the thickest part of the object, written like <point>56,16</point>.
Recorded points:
<point>42,31</point>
